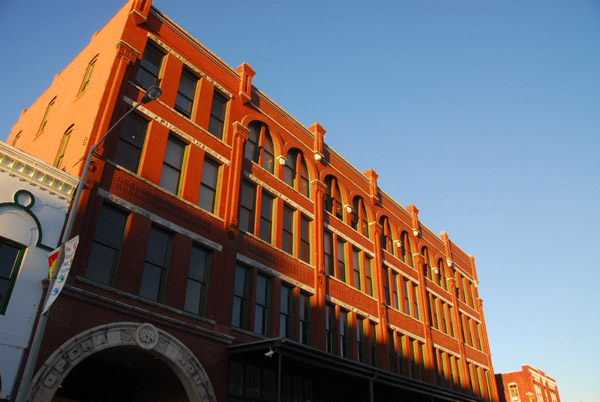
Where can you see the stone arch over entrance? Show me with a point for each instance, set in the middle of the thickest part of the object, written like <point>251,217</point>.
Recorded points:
<point>144,336</point>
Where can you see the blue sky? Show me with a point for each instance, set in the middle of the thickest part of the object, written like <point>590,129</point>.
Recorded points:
<point>484,114</point>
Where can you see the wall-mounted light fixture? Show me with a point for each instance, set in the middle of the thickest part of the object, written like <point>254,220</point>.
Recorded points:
<point>281,160</point>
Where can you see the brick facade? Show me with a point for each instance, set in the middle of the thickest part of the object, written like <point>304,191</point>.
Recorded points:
<point>234,231</point>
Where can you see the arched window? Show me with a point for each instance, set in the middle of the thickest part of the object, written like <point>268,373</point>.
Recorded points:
<point>259,147</point>
<point>333,198</point>
<point>426,263</point>
<point>441,276</point>
<point>295,172</point>
<point>387,240</point>
<point>359,218</point>
<point>406,250</point>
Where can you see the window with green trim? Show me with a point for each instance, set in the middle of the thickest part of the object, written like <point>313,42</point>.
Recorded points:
<point>11,256</point>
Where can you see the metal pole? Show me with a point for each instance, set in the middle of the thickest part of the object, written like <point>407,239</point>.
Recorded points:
<point>36,343</point>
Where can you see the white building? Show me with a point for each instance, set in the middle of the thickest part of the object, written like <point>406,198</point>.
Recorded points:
<point>34,201</point>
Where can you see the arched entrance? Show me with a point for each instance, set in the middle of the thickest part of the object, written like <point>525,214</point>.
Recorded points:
<point>121,374</point>
<point>118,344</point>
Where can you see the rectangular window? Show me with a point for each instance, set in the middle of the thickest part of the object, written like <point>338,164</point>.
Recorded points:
<point>304,239</point>
<point>444,313</point>
<point>392,352</point>
<point>356,268</point>
<point>406,295</point>
<point>217,115</point>
<point>131,142</point>
<point>361,340</point>
<point>402,354</point>
<point>11,256</point>
<point>368,275</point>
<point>386,284</point>
<point>344,334</point>
<point>241,296</point>
<point>266,217</point>
<point>287,238</point>
<point>261,306</point>
<point>207,199</point>
<point>185,93</point>
<point>150,66</point>
<point>154,277</point>
<point>329,328</point>
<point>106,249</point>
<point>170,176</point>
<point>88,75</point>
<point>247,206</point>
<point>395,291</point>
<point>285,311</point>
<point>63,146</point>
<point>373,342</point>
<point>415,296</point>
<point>305,313</point>
<point>436,323</point>
<point>47,115</point>
<point>341,260</point>
<point>328,253</point>
<point>196,293</point>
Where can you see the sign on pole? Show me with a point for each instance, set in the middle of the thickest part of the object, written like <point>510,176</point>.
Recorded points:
<point>63,272</point>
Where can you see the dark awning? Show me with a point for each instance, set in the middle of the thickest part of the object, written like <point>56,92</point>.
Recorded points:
<point>376,378</point>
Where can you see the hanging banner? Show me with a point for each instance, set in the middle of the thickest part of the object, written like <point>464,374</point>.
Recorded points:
<point>52,257</point>
<point>63,272</point>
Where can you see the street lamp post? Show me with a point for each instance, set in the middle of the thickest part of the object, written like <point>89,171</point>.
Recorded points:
<point>151,94</point>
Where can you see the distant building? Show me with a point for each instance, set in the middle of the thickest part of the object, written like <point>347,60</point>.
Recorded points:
<point>528,385</point>
<point>34,200</point>
<point>227,253</point>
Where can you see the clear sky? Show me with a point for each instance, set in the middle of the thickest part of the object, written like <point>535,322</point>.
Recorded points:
<point>484,114</point>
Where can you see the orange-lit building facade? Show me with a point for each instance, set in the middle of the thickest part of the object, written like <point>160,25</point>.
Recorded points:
<point>528,385</point>
<point>227,253</point>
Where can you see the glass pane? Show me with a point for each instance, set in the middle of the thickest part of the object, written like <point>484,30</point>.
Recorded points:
<point>206,199</point>
<point>261,290</point>
<point>174,152</point>
<point>210,172</point>
<point>240,281</point>
<point>169,179</point>
<point>111,226</point>
<point>8,256</point>
<point>127,156</point>
<point>101,263</point>
<point>151,279</point>
<point>158,244</point>
<point>198,264</point>
<point>192,296</point>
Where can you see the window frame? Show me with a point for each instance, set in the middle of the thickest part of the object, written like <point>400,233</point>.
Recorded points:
<point>63,146</point>
<point>173,165</point>
<point>117,247</point>
<point>219,118</point>
<point>147,69</point>
<point>161,285</point>
<point>188,97</point>
<point>11,277</point>
<point>203,282</point>
<point>88,75</point>
<point>207,186</point>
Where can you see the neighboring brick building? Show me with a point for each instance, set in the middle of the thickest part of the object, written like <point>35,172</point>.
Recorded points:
<point>528,385</point>
<point>227,253</point>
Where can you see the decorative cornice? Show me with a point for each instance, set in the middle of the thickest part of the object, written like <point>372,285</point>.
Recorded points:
<point>37,172</point>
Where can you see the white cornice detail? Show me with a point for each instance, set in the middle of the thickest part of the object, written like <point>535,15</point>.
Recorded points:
<point>37,172</point>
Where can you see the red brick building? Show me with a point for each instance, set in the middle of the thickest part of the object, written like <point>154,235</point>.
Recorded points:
<point>227,253</point>
<point>528,385</point>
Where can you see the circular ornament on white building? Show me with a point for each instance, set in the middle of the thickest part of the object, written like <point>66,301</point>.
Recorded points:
<point>146,336</point>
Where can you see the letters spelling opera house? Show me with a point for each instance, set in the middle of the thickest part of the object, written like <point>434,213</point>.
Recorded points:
<point>226,253</point>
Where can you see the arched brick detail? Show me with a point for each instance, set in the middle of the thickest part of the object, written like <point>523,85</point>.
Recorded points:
<point>140,335</point>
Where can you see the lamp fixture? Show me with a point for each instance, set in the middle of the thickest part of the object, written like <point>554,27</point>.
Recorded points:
<point>281,160</point>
